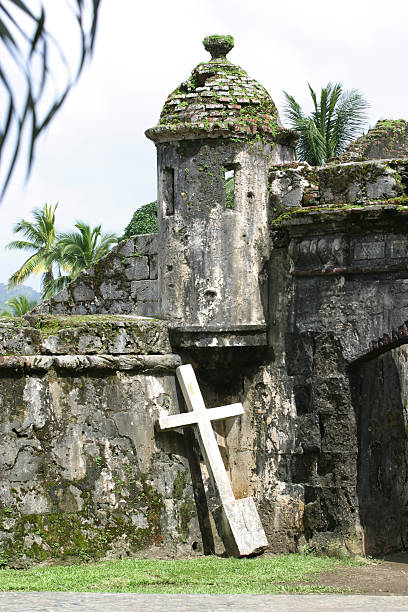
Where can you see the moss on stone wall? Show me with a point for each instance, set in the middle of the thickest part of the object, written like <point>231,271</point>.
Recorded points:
<point>84,535</point>
<point>83,334</point>
<point>387,139</point>
<point>396,204</point>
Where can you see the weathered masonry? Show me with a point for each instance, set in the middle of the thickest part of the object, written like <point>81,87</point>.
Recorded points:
<point>213,252</point>
<point>287,292</point>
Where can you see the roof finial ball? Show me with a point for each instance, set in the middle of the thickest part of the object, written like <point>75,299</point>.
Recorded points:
<point>218,45</point>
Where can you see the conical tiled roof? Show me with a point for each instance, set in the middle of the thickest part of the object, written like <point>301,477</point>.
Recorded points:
<point>219,99</point>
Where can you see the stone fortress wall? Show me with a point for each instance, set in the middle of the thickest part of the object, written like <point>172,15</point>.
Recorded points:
<point>84,473</point>
<point>122,282</point>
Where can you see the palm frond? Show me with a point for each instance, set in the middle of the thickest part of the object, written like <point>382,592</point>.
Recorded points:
<point>292,110</point>
<point>32,265</point>
<point>82,248</point>
<point>26,46</point>
<point>54,285</point>
<point>337,119</point>
<point>314,98</point>
<point>20,305</point>
<point>42,244</point>
<point>351,115</point>
<point>23,245</point>
<point>312,143</point>
<point>334,97</point>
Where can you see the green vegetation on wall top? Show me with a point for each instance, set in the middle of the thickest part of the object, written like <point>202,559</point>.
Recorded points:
<point>144,221</point>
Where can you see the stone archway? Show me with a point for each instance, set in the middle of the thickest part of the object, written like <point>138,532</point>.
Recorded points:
<point>379,389</point>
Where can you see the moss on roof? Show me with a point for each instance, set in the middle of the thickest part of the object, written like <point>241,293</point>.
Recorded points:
<point>219,97</point>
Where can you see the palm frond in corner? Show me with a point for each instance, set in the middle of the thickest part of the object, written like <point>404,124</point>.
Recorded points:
<point>30,59</point>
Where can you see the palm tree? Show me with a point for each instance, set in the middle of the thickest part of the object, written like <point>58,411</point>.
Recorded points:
<point>19,305</point>
<point>40,240</point>
<point>78,251</point>
<point>30,58</point>
<point>337,119</point>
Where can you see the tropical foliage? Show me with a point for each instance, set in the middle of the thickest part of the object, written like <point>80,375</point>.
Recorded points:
<point>29,292</point>
<point>18,306</point>
<point>337,119</point>
<point>144,221</point>
<point>78,251</point>
<point>40,241</point>
<point>31,59</point>
<point>59,257</point>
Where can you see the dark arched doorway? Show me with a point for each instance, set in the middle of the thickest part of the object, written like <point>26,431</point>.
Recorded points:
<point>380,393</point>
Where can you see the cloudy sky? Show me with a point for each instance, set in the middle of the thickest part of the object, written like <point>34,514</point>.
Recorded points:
<point>95,160</point>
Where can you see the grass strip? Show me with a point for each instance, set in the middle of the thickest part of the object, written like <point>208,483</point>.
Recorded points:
<point>203,575</point>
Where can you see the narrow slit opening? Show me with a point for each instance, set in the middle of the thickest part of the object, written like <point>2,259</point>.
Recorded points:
<point>229,186</point>
<point>168,190</point>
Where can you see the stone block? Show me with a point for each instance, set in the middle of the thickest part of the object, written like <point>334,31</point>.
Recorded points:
<point>147,309</point>
<point>89,343</point>
<point>117,307</point>
<point>81,292</point>
<point>137,268</point>
<point>144,290</point>
<point>42,308</point>
<point>383,187</point>
<point>287,188</point>
<point>110,267</point>
<point>80,309</point>
<point>127,248</point>
<point>369,250</point>
<point>153,263</point>
<point>56,309</point>
<point>62,296</point>
<point>146,244</point>
<point>26,466</point>
<point>399,249</point>
<point>355,182</point>
<point>112,290</point>
<point>308,434</point>
<point>339,434</point>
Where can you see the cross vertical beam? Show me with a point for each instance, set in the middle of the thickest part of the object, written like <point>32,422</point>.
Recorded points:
<point>237,521</point>
<point>205,433</point>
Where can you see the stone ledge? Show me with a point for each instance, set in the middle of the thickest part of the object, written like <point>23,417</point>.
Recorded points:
<point>303,221</point>
<point>350,270</point>
<point>85,334</point>
<point>218,129</point>
<point>300,185</point>
<point>218,336</point>
<point>151,364</point>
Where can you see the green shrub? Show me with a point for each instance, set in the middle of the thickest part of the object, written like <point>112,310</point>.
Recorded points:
<point>144,221</point>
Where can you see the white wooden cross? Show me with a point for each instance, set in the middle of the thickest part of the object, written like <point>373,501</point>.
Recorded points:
<point>237,520</point>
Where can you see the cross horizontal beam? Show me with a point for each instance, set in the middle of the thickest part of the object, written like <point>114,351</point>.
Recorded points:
<point>184,419</point>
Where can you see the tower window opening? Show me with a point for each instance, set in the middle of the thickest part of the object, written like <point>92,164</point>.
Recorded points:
<point>229,186</point>
<point>168,190</point>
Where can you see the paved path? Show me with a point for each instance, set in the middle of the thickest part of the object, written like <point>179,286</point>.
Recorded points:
<point>130,602</point>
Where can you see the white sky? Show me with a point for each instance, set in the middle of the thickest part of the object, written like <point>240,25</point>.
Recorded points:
<point>95,160</point>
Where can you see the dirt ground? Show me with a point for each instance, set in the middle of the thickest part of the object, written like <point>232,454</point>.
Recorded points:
<point>378,577</point>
